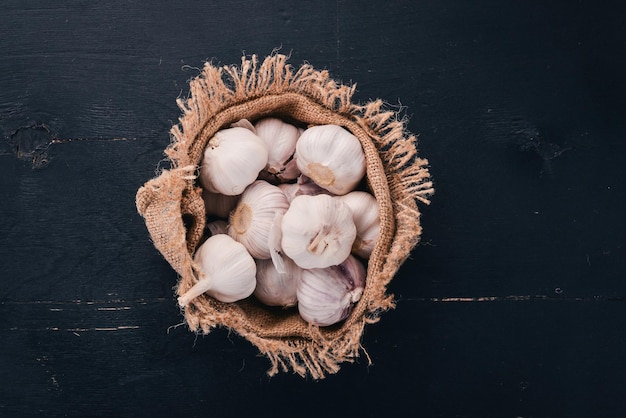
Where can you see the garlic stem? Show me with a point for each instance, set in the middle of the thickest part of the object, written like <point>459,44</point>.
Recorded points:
<point>318,244</point>
<point>196,290</point>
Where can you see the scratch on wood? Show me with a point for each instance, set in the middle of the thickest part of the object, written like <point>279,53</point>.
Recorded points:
<point>511,298</point>
<point>115,308</point>
<point>68,140</point>
<point>85,302</point>
<point>75,331</point>
<point>490,298</point>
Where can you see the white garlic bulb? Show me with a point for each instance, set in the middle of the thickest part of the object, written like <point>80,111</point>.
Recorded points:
<point>326,296</point>
<point>228,272</point>
<point>365,215</point>
<point>274,288</point>
<point>217,227</point>
<point>304,186</point>
<point>332,157</point>
<point>317,231</point>
<point>218,204</point>
<point>251,221</point>
<point>280,138</point>
<point>232,160</point>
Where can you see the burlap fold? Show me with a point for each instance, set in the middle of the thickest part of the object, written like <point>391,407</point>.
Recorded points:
<point>173,209</point>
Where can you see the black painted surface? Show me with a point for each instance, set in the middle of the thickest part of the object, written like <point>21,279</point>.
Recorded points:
<point>513,305</point>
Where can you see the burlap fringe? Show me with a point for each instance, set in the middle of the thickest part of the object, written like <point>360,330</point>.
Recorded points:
<point>218,88</point>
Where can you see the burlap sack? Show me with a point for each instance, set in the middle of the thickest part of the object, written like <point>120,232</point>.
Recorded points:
<point>173,209</point>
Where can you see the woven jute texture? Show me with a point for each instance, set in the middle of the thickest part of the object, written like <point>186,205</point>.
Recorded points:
<point>173,209</point>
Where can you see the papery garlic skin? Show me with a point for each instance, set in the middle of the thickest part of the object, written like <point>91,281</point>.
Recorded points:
<point>317,231</point>
<point>244,123</point>
<point>232,160</point>
<point>280,138</point>
<point>219,204</point>
<point>304,186</point>
<point>332,157</point>
<point>227,271</point>
<point>326,296</point>
<point>289,189</point>
<point>366,218</point>
<point>217,227</point>
<point>274,288</point>
<point>251,221</point>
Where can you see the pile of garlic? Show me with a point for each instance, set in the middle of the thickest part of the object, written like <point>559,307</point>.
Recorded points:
<point>287,222</point>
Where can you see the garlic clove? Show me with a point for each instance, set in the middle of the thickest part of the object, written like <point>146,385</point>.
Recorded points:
<point>332,157</point>
<point>251,221</point>
<point>317,231</point>
<point>227,271</point>
<point>232,160</point>
<point>219,204</point>
<point>366,218</point>
<point>304,186</point>
<point>327,296</point>
<point>217,227</point>
<point>274,288</point>
<point>280,138</point>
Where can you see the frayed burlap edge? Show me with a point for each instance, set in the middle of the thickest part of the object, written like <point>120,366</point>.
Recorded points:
<point>397,176</point>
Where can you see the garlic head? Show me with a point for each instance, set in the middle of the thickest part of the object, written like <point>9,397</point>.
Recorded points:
<point>332,157</point>
<point>232,160</point>
<point>326,296</point>
<point>280,138</point>
<point>365,215</point>
<point>251,221</point>
<point>227,271</point>
<point>274,288</point>
<point>317,231</point>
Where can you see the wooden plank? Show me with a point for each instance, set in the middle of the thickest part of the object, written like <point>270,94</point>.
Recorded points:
<point>511,306</point>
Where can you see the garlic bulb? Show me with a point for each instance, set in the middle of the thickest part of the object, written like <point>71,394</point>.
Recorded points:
<point>217,227</point>
<point>218,204</point>
<point>232,160</point>
<point>228,272</point>
<point>326,296</point>
<point>304,186</point>
<point>251,221</point>
<point>274,288</point>
<point>365,215</point>
<point>317,231</point>
<point>280,138</point>
<point>332,157</point>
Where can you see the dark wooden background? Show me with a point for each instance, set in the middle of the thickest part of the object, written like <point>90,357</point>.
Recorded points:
<point>513,306</point>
